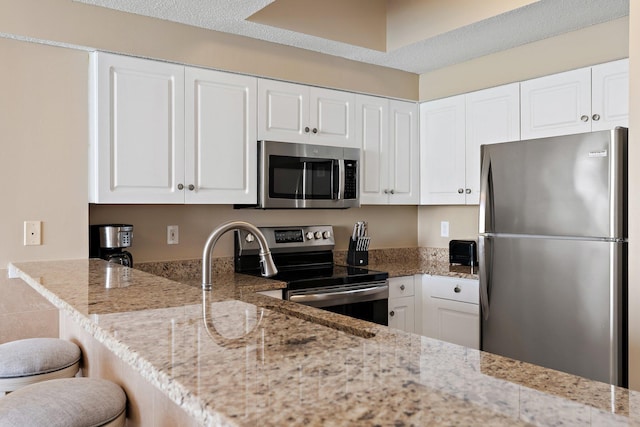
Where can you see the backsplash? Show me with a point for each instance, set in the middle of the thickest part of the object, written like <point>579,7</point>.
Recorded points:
<point>188,269</point>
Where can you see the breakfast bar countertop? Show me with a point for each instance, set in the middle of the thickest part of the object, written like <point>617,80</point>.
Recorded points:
<point>257,360</point>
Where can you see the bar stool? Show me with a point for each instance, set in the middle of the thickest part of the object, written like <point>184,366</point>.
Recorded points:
<point>66,402</point>
<point>32,360</point>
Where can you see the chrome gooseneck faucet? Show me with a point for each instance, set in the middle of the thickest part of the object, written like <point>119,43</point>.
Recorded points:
<point>266,262</point>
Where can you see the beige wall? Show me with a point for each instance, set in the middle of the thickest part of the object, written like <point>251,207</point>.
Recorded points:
<point>43,162</point>
<point>591,45</point>
<point>634,196</point>
<point>80,24</point>
<point>355,22</point>
<point>389,226</point>
<point>463,224</point>
<point>409,21</point>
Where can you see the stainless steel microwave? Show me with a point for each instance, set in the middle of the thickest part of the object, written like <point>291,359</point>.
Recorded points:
<point>294,175</point>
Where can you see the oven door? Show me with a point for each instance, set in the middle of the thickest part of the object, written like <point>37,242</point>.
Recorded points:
<point>366,301</point>
<point>298,178</point>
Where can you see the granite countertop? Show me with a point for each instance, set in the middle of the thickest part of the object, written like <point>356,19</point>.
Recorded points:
<point>303,366</point>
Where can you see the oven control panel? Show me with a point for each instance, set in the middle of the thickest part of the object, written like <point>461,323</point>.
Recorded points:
<point>289,238</point>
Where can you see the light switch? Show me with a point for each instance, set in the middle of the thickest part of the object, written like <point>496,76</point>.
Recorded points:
<point>173,237</point>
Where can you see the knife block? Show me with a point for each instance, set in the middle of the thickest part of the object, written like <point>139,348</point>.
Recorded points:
<point>357,257</point>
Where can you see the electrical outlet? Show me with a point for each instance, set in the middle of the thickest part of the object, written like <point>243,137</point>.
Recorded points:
<point>172,235</point>
<point>32,233</point>
<point>444,229</point>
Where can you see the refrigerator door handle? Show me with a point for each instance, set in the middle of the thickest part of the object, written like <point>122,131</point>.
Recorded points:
<point>483,272</point>
<point>486,204</point>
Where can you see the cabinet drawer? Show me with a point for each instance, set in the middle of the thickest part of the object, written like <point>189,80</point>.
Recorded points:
<point>463,290</point>
<point>401,287</point>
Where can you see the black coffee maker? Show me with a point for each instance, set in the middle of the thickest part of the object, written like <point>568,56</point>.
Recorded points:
<point>107,241</point>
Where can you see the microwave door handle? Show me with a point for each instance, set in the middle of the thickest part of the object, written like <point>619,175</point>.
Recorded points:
<point>304,180</point>
<point>341,179</point>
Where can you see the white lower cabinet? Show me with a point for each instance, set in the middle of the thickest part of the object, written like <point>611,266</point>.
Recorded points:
<point>450,310</point>
<point>402,303</point>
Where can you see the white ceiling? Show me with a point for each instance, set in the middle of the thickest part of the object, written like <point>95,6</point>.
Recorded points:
<point>543,19</point>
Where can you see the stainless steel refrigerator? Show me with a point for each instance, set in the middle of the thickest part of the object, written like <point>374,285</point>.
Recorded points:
<point>553,253</point>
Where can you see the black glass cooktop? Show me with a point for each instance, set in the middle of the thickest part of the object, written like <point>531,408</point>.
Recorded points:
<point>329,276</point>
<point>302,272</point>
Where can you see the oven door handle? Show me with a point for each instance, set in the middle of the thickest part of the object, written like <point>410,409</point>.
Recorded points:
<point>353,295</point>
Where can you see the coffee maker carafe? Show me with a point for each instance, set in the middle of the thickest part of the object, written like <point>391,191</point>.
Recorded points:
<point>107,241</point>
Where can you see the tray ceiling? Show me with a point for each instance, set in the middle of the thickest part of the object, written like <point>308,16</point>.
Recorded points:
<point>371,41</point>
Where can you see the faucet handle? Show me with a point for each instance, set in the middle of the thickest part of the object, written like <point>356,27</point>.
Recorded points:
<point>267,266</point>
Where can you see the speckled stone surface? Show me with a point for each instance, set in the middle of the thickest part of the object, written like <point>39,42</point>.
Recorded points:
<point>240,358</point>
<point>396,261</point>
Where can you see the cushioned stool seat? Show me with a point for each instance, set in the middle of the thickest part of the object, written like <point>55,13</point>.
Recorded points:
<point>32,360</point>
<point>67,402</point>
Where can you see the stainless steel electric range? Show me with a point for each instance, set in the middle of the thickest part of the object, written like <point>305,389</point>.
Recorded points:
<point>304,257</point>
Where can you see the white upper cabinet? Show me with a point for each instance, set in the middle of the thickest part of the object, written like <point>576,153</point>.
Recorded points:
<point>442,140</point>
<point>610,95</point>
<point>221,147</point>
<point>138,124</point>
<point>583,100</point>
<point>165,133</point>
<point>296,113</point>
<point>492,116</point>
<point>372,132</point>
<point>387,132</point>
<point>404,153</point>
<point>452,131</point>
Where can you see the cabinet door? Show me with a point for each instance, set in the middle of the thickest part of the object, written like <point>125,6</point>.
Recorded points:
<point>221,148</point>
<point>454,321</point>
<point>372,134</point>
<point>442,141</point>
<point>404,153</point>
<point>559,104</point>
<point>450,310</point>
<point>492,115</point>
<point>610,95</point>
<point>283,111</point>
<point>332,116</point>
<point>139,126</point>
<point>401,313</point>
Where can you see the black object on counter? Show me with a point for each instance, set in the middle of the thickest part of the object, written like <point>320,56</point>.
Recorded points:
<point>463,252</point>
<point>358,253</point>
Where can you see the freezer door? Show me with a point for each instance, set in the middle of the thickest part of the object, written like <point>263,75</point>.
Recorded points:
<point>572,185</point>
<point>558,304</point>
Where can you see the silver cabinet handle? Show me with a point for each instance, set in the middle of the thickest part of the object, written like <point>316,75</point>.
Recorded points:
<point>392,191</point>
<point>306,129</point>
<point>315,130</point>
<point>584,118</point>
<point>386,191</point>
<point>180,187</point>
<point>191,187</point>
<point>457,289</point>
<point>467,191</point>
<point>460,190</point>
<point>595,117</point>
<point>392,313</point>
<point>402,287</point>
